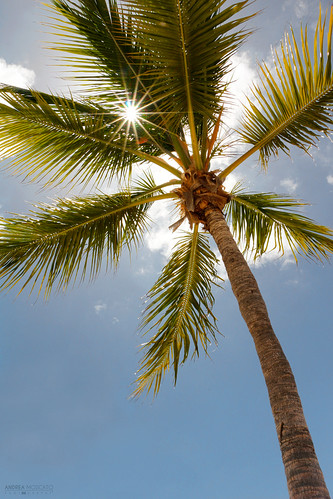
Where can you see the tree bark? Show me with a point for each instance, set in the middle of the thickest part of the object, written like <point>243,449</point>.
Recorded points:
<point>304,476</point>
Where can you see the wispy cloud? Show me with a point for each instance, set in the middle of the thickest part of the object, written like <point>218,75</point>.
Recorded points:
<point>329,179</point>
<point>292,282</point>
<point>274,257</point>
<point>289,184</point>
<point>100,307</point>
<point>301,7</point>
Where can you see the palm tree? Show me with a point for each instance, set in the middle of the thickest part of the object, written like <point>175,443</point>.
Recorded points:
<point>153,88</point>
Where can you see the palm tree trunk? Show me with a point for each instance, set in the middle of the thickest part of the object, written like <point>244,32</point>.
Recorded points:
<point>304,476</point>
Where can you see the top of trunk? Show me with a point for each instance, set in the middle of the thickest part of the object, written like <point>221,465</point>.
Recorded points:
<point>199,190</point>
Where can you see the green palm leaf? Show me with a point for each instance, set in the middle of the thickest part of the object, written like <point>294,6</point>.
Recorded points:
<point>165,47</point>
<point>56,139</point>
<point>294,106</point>
<point>55,243</point>
<point>102,44</point>
<point>180,304</point>
<point>104,47</point>
<point>187,45</point>
<point>169,58</point>
<point>267,221</point>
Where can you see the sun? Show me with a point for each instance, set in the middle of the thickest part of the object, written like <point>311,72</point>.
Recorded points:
<point>131,111</point>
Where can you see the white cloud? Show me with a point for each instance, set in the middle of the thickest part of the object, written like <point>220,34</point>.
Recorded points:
<point>289,184</point>
<point>288,259</point>
<point>160,237</point>
<point>99,307</point>
<point>140,271</point>
<point>274,257</point>
<point>329,179</point>
<point>19,76</point>
<point>15,74</point>
<point>231,181</point>
<point>301,7</point>
<point>243,76</point>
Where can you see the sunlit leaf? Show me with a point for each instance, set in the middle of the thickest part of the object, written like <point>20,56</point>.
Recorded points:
<point>52,139</point>
<point>294,103</point>
<point>265,221</point>
<point>56,243</point>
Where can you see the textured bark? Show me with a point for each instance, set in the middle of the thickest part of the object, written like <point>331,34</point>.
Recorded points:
<point>304,476</point>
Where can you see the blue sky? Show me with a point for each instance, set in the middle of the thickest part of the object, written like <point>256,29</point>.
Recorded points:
<point>67,365</point>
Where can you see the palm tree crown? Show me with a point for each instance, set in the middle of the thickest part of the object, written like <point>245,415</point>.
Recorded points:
<point>169,64</point>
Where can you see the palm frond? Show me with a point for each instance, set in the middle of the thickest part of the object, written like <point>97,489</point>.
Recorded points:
<point>170,58</point>
<point>101,42</point>
<point>294,105</point>
<point>55,243</point>
<point>53,139</point>
<point>265,221</point>
<point>187,47</point>
<point>180,308</point>
<point>102,47</point>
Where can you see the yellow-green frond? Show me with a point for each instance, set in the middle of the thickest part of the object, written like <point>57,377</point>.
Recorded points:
<point>187,47</point>
<point>265,221</point>
<point>55,243</point>
<point>99,43</point>
<point>294,103</point>
<point>180,309</point>
<point>53,139</point>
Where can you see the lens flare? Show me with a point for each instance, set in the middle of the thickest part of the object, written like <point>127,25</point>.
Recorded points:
<point>131,111</point>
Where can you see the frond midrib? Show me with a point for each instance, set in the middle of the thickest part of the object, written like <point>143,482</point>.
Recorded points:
<point>295,115</point>
<point>188,280</point>
<point>194,141</point>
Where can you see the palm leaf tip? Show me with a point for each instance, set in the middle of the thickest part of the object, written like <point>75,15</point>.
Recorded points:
<point>180,309</point>
<point>293,104</point>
